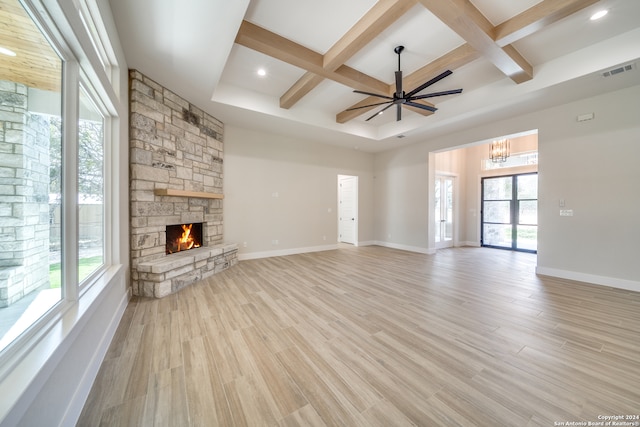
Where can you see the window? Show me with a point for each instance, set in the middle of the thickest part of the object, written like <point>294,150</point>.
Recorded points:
<point>518,159</point>
<point>53,153</point>
<point>510,212</point>
<point>90,187</point>
<point>30,175</point>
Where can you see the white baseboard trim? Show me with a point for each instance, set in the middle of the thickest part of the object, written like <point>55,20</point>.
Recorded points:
<point>284,252</point>
<point>629,285</point>
<point>469,243</point>
<point>368,243</point>
<point>408,248</point>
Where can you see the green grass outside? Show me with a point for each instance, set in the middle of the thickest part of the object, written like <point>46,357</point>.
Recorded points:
<point>85,267</point>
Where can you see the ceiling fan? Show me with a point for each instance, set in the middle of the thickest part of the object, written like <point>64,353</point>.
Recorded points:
<point>401,98</point>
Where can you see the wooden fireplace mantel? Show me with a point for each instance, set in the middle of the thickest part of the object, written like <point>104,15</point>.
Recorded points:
<point>185,193</point>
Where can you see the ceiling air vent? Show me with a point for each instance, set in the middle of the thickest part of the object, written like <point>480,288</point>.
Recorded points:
<point>619,70</point>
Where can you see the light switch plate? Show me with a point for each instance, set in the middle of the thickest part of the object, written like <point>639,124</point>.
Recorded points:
<point>566,212</point>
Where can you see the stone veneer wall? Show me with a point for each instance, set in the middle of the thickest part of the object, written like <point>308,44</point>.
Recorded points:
<point>24,187</point>
<point>174,145</point>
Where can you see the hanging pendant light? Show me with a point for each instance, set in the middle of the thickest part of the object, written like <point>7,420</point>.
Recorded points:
<point>499,150</point>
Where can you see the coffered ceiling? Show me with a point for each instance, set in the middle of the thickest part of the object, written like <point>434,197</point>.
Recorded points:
<point>509,57</point>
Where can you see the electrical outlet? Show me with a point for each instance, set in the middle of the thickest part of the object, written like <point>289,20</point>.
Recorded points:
<point>274,242</point>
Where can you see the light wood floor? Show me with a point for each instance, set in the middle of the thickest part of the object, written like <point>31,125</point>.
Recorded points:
<point>372,336</point>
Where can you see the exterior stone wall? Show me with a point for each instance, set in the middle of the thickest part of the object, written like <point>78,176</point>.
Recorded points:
<point>24,187</point>
<point>173,145</point>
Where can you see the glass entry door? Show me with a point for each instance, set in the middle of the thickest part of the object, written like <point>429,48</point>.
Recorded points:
<point>444,211</point>
<point>510,212</point>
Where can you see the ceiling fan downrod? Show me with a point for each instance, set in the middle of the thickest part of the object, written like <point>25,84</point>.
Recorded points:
<point>398,50</point>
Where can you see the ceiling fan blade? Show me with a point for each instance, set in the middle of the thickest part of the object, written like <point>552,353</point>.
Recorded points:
<point>431,95</point>
<point>399,84</point>
<point>379,112</point>
<point>367,106</point>
<point>372,94</point>
<point>398,112</point>
<point>429,83</point>
<point>422,106</point>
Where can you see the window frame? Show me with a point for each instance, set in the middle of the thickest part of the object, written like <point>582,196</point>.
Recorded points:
<point>79,68</point>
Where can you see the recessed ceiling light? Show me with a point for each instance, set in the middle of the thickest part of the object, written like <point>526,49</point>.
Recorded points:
<point>262,72</point>
<point>599,14</point>
<point>5,51</point>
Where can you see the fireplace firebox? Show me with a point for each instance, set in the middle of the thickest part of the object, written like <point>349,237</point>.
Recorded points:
<point>182,237</point>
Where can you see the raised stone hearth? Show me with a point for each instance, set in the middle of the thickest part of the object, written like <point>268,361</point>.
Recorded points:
<point>176,178</point>
<point>167,275</point>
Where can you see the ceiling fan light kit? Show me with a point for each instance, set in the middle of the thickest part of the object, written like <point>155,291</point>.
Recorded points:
<point>409,99</point>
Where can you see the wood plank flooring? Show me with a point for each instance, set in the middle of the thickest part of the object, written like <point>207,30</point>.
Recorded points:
<point>372,336</point>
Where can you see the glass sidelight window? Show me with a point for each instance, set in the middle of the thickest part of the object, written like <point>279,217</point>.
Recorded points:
<point>443,212</point>
<point>510,212</point>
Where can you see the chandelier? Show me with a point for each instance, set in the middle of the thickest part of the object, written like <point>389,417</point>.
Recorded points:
<point>499,150</point>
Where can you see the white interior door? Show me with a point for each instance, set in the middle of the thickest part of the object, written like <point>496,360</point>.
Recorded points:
<point>443,212</point>
<point>348,209</point>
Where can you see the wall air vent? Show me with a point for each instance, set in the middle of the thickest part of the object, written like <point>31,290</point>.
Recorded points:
<point>618,70</point>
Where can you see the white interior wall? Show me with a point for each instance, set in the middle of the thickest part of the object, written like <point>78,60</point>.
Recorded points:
<point>281,189</point>
<point>593,167</point>
<point>402,198</point>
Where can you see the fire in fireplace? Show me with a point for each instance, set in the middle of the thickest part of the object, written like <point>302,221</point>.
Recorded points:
<point>182,237</point>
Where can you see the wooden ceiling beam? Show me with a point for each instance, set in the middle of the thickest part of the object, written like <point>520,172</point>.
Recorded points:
<point>420,110</point>
<point>535,18</point>
<point>463,18</point>
<point>377,19</point>
<point>345,116</point>
<point>452,60</point>
<point>271,44</point>
<point>303,86</point>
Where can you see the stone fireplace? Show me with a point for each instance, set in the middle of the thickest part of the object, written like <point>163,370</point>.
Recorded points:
<point>176,155</point>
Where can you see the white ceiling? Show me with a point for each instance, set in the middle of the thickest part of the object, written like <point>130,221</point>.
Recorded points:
<point>188,46</point>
